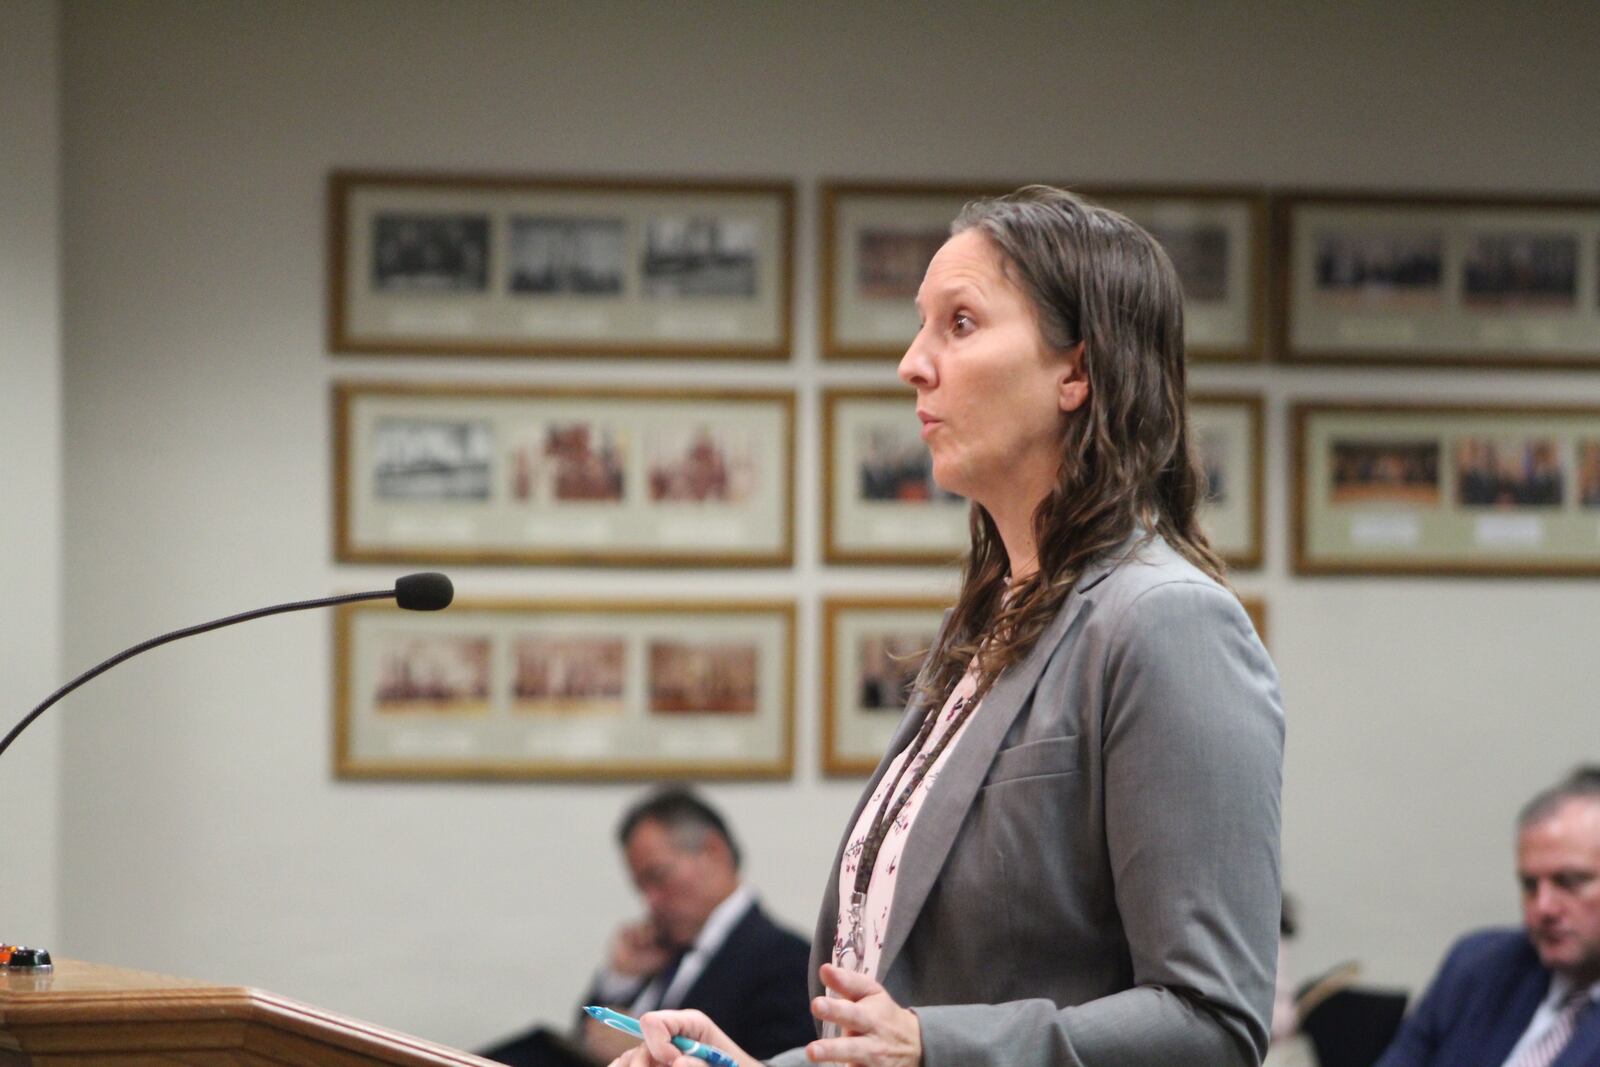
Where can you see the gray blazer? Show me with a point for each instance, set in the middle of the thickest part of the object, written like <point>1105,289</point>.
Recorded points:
<point>1094,879</point>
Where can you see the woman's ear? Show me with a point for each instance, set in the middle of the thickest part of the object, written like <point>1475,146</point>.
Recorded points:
<point>1072,384</point>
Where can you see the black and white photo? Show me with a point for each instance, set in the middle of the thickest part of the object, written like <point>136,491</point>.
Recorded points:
<point>431,459</point>
<point>1199,253</point>
<point>700,256</point>
<point>416,253</point>
<point>459,266</point>
<point>565,256</point>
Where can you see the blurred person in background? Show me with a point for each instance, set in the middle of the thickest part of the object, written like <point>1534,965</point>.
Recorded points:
<point>703,943</point>
<point>1529,997</point>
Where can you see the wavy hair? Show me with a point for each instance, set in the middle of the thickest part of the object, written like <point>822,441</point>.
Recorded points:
<point>1127,461</point>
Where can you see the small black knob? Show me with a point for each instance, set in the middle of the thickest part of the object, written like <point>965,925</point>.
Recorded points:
<point>28,958</point>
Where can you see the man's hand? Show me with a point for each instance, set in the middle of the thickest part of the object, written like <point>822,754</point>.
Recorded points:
<point>636,950</point>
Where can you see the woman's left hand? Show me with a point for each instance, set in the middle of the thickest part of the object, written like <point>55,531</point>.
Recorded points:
<point>878,1032</point>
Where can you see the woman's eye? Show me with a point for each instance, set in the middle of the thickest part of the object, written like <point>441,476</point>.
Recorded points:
<point>961,322</point>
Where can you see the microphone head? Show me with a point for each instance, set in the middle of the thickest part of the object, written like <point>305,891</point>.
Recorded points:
<point>428,591</point>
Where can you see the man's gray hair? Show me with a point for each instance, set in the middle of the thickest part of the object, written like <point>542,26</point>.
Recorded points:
<point>686,817</point>
<point>1582,784</point>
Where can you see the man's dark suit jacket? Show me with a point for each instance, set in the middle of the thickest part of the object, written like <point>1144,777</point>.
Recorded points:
<point>754,988</point>
<point>1490,985</point>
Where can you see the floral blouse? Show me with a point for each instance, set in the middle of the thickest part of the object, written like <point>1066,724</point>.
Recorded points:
<point>874,914</point>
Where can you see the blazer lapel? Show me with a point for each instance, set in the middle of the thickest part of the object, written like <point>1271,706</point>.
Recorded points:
<point>724,963</point>
<point>1520,1005</point>
<point>1584,1048</point>
<point>946,805</point>
<point>828,917</point>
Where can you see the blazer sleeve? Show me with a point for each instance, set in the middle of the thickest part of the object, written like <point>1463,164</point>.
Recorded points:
<point>1191,755</point>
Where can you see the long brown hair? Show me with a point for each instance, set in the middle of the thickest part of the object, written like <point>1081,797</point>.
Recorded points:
<point>1127,462</point>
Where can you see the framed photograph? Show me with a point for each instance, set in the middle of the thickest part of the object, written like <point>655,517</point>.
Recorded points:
<point>1227,432</point>
<point>1446,281</point>
<point>872,649</point>
<point>877,241</point>
<point>1446,490</point>
<point>563,689</point>
<point>503,474</point>
<point>1256,608</point>
<point>879,501</point>
<point>442,264</point>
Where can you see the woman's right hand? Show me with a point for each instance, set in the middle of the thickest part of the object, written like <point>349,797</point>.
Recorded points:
<point>660,1027</point>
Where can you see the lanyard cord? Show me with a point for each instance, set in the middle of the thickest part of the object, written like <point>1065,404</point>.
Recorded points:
<point>887,814</point>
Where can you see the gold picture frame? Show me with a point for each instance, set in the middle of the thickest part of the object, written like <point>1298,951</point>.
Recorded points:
<point>876,240</point>
<point>1228,429</point>
<point>454,473</point>
<point>880,504</point>
<point>870,656</point>
<point>1436,489</point>
<point>879,501</point>
<point>865,672</point>
<point>447,264</point>
<point>565,689</point>
<point>1437,280</point>
<point>1256,608</point>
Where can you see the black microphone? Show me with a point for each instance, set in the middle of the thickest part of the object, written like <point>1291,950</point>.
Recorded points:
<point>428,591</point>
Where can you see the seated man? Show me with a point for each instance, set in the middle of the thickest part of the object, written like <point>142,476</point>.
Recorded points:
<point>704,943</point>
<point>1528,998</point>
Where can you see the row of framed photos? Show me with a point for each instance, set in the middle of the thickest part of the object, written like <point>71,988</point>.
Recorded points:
<point>463,265</point>
<point>621,689</point>
<point>431,473</point>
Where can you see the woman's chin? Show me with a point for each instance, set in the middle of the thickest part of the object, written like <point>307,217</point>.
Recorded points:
<point>947,478</point>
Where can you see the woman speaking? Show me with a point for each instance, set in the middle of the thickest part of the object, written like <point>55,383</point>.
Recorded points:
<point>1069,854</point>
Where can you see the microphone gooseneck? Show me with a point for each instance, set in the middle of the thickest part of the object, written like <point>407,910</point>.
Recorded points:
<point>429,591</point>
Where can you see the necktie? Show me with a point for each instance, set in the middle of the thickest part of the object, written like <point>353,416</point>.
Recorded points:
<point>656,992</point>
<point>1543,1052</point>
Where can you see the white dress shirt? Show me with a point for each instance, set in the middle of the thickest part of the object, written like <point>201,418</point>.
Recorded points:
<point>1545,1017</point>
<point>613,986</point>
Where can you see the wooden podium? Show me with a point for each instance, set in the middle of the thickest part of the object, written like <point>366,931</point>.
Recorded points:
<point>89,1015</point>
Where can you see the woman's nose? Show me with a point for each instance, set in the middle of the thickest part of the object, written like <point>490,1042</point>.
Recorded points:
<point>916,366</point>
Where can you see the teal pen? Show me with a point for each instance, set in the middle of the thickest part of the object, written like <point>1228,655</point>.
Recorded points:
<point>629,1025</point>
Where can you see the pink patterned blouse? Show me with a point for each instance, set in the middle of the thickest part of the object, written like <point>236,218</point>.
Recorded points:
<point>880,890</point>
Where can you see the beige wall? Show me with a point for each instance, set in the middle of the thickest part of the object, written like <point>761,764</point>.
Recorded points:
<point>201,829</point>
<point>30,463</point>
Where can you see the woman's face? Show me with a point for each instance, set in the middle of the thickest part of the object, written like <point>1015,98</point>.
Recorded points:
<point>990,391</point>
